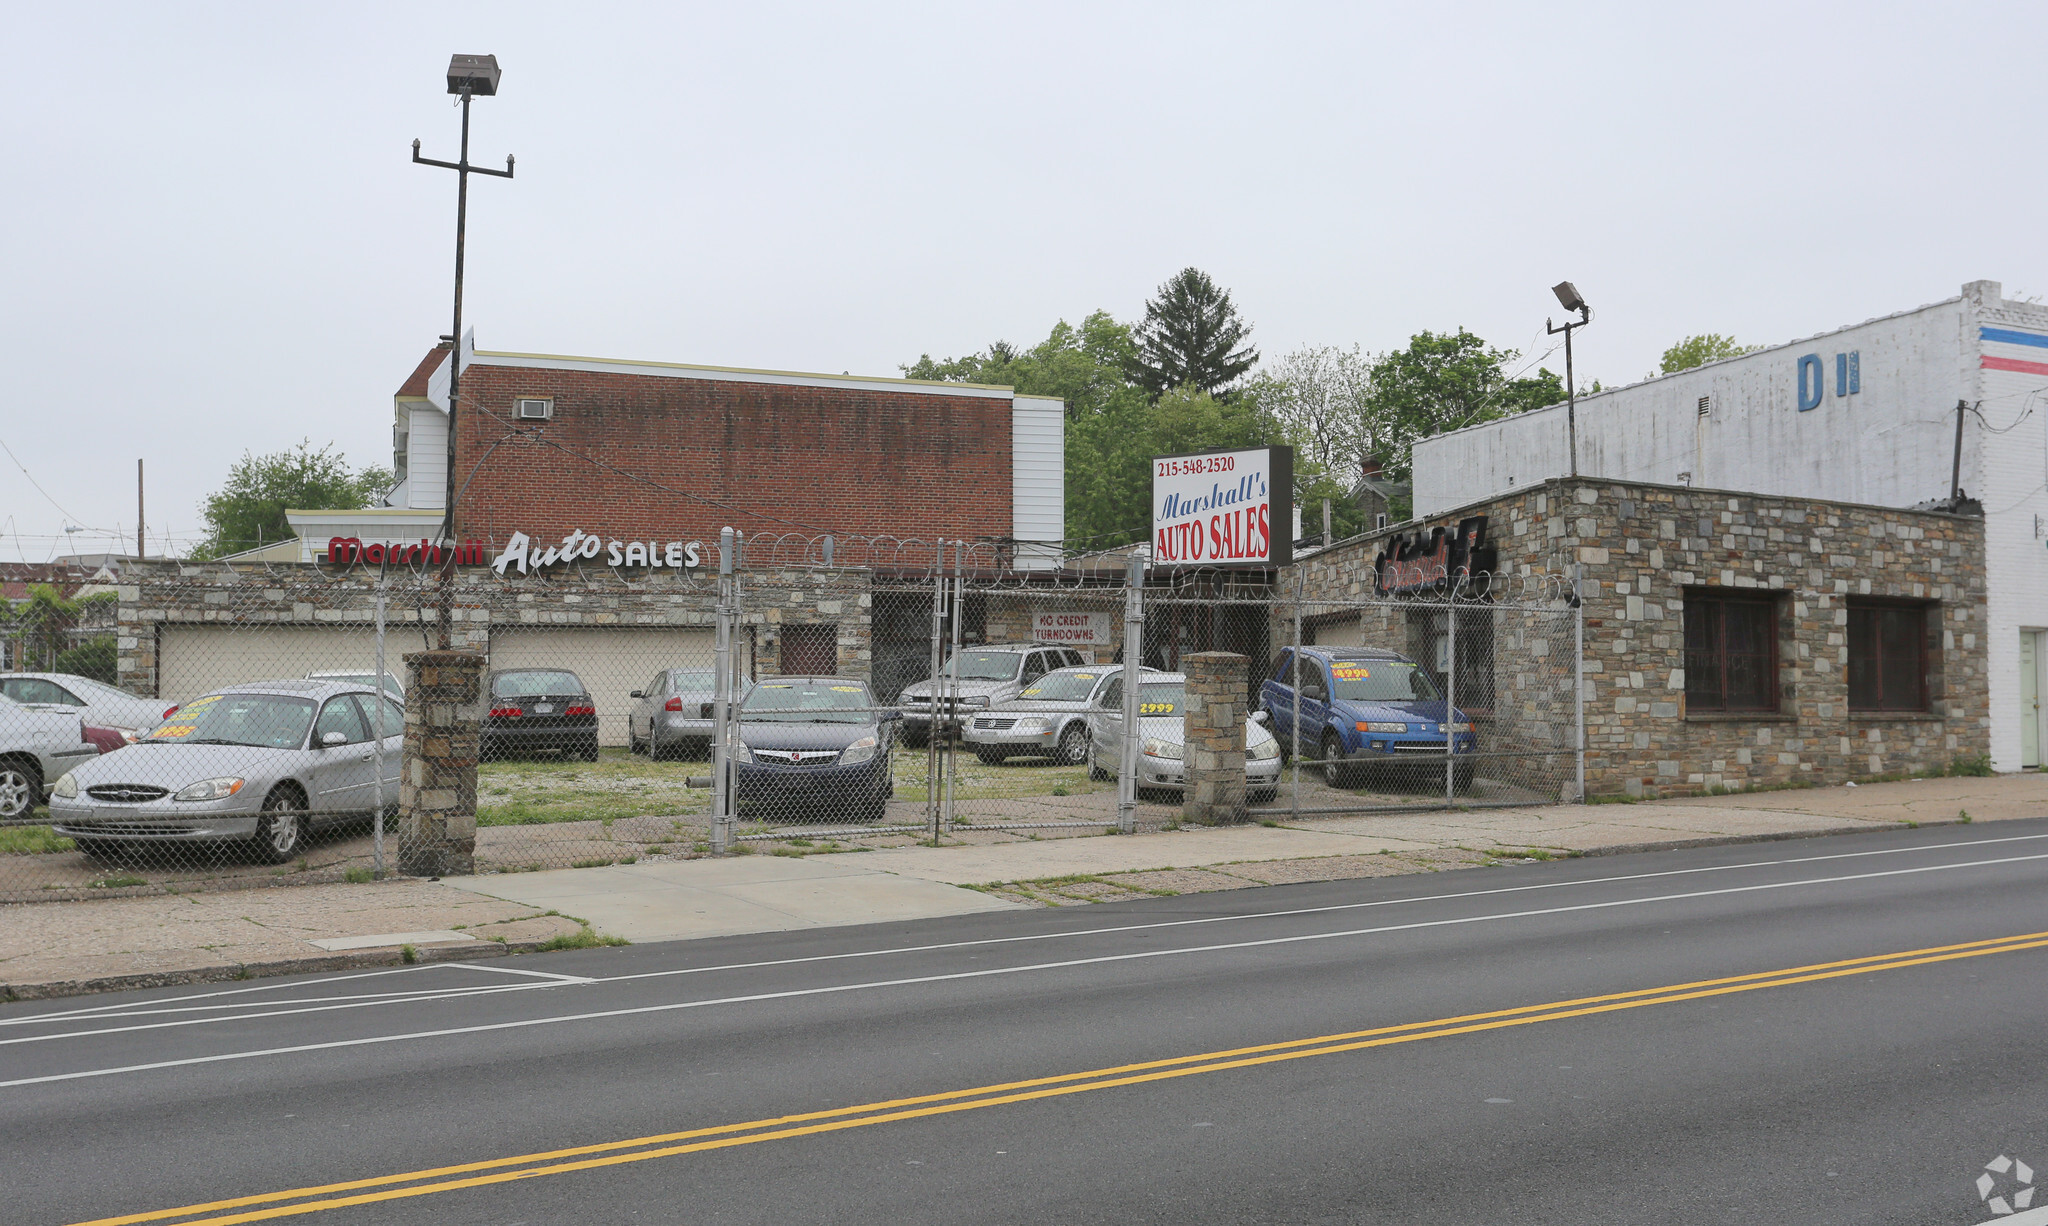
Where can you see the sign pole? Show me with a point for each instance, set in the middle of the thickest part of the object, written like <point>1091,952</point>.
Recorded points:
<point>1134,672</point>
<point>722,739</point>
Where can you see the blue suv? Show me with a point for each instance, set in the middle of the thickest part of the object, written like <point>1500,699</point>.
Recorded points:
<point>1362,707</point>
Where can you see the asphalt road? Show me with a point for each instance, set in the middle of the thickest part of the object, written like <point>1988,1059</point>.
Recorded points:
<point>1828,1030</point>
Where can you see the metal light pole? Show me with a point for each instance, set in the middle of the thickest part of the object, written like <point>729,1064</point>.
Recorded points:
<point>1569,297</point>
<point>468,76</point>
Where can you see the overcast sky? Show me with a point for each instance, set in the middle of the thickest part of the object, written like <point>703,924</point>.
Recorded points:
<point>214,240</point>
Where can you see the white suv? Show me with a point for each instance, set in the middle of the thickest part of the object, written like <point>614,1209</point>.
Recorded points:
<point>988,675</point>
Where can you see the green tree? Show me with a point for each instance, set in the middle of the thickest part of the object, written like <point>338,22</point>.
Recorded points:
<point>1082,366</point>
<point>40,620</point>
<point>1444,381</point>
<point>1191,337</point>
<point>96,658</point>
<point>249,509</point>
<point>1700,350</point>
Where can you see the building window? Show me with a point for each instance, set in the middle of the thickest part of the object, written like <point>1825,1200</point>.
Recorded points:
<point>1887,656</point>
<point>1731,652</point>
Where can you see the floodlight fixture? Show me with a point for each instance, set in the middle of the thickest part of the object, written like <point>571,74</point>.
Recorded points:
<point>1568,295</point>
<point>473,74</point>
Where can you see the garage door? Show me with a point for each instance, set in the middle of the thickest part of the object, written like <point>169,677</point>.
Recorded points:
<point>612,660</point>
<point>192,660</point>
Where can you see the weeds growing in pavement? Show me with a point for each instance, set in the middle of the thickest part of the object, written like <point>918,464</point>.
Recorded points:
<point>408,954</point>
<point>357,875</point>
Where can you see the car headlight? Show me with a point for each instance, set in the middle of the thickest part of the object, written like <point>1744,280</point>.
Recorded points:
<point>1464,727</point>
<point>210,789</point>
<point>1261,751</point>
<point>66,787</point>
<point>975,700</point>
<point>858,752</point>
<point>1378,726</point>
<point>1156,748</point>
<point>1034,723</point>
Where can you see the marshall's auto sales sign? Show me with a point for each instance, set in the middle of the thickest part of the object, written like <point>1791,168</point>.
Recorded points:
<point>1224,508</point>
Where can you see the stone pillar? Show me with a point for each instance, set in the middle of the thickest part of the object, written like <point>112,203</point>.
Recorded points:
<point>1214,738</point>
<point>437,791</point>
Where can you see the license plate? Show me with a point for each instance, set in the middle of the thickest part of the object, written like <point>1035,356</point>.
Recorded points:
<point>544,708</point>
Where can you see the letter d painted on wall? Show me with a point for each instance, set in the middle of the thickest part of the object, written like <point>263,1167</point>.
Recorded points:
<point>1811,382</point>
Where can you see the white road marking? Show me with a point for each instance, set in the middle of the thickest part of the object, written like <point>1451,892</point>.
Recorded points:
<point>910,981</point>
<point>514,970</point>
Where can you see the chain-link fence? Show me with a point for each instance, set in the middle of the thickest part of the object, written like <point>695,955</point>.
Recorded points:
<point>256,728</point>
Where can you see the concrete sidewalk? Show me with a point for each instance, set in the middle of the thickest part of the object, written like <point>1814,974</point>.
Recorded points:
<point>60,948</point>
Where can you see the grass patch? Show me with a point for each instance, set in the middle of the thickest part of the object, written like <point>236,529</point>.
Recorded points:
<point>408,954</point>
<point>543,791</point>
<point>583,938</point>
<point>606,862</point>
<point>31,841</point>
<point>1963,816</point>
<point>1619,798</point>
<point>358,875</point>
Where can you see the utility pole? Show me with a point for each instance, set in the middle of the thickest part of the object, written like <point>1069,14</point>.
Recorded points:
<point>1569,297</point>
<point>468,76</point>
<point>140,550</point>
<point>1955,468</point>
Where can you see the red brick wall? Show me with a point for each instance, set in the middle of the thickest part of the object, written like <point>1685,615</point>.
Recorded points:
<point>846,460</point>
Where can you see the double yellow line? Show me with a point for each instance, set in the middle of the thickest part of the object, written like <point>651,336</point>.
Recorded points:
<point>267,1205</point>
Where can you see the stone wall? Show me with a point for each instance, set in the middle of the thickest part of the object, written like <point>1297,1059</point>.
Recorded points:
<point>1642,546</point>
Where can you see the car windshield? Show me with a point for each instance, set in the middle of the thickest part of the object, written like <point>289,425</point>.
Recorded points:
<point>692,682</point>
<point>1157,698</point>
<point>1062,687</point>
<point>1380,680</point>
<point>986,665</point>
<point>535,684</point>
<point>808,702</point>
<point>272,721</point>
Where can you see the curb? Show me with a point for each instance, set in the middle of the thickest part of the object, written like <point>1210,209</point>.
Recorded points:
<point>1776,836</point>
<point>368,959</point>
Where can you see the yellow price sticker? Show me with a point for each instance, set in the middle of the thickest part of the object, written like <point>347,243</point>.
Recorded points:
<point>174,730</point>
<point>1033,692</point>
<point>1155,708</point>
<point>1351,672</point>
<point>1085,676</point>
<point>200,702</point>
<point>846,689</point>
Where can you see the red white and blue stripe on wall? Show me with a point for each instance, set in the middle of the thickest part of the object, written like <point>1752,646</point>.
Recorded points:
<point>2011,349</point>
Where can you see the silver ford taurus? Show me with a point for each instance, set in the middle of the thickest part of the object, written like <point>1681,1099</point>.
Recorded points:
<point>262,764</point>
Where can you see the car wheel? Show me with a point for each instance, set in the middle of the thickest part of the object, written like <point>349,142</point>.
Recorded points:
<point>281,826</point>
<point>1335,772</point>
<point>991,757</point>
<point>1095,773</point>
<point>20,786</point>
<point>1073,748</point>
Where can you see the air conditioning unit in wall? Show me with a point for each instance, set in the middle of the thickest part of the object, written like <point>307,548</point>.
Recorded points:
<point>536,410</point>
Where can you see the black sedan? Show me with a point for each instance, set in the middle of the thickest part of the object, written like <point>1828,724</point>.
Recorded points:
<point>814,749</point>
<point>538,710</point>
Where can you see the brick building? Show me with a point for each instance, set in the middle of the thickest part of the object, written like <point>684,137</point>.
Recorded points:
<point>549,446</point>
<point>1731,639</point>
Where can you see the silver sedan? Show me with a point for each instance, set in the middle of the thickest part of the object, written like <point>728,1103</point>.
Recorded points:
<point>262,764</point>
<point>1047,718</point>
<point>1162,733</point>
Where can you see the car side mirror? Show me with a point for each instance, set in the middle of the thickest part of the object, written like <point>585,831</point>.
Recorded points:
<point>329,740</point>
<point>637,694</point>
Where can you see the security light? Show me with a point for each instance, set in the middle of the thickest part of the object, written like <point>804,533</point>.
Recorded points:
<point>1566,293</point>
<point>476,73</point>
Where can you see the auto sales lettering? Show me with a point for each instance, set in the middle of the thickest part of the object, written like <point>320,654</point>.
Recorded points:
<point>580,546</point>
<point>1218,508</point>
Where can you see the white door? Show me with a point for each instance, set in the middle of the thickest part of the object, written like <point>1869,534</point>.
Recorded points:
<point>612,661</point>
<point>2030,698</point>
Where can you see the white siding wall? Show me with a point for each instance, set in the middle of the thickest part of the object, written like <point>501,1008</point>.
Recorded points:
<point>1038,483</point>
<point>426,464</point>
<point>1891,444</point>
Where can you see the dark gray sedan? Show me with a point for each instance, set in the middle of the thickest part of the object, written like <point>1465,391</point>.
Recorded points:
<point>261,764</point>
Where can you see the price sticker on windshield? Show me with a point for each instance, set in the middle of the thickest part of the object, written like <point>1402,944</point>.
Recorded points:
<point>1033,692</point>
<point>1155,708</point>
<point>176,730</point>
<point>1350,672</point>
<point>1084,676</point>
<point>846,689</point>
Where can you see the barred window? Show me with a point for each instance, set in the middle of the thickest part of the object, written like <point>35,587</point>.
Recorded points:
<point>1887,656</point>
<point>1731,651</point>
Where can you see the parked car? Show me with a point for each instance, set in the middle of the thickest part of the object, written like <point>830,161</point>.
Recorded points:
<point>1363,708</point>
<point>262,764</point>
<point>1047,719</point>
<point>988,675</point>
<point>37,744</point>
<point>672,715</point>
<point>363,676</point>
<point>97,702</point>
<point>815,748</point>
<point>1162,729</point>
<point>538,710</point>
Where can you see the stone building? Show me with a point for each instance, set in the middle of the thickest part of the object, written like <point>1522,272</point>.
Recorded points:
<point>1731,639</point>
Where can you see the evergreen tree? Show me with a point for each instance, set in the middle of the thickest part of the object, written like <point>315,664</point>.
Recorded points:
<point>1191,337</point>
